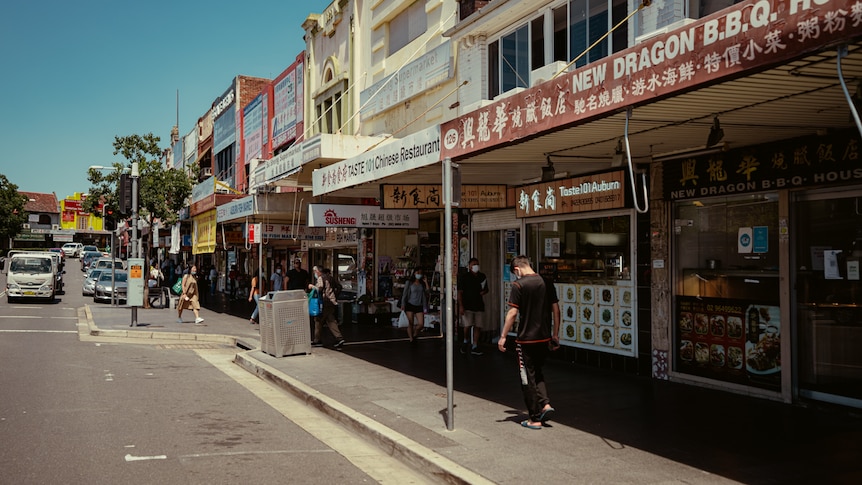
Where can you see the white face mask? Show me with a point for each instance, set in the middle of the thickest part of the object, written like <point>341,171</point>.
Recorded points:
<point>418,276</point>
<point>278,271</point>
<point>516,275</point>
<point>475,268</point>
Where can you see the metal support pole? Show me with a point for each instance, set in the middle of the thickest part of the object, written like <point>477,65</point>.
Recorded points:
<point>136,245</point>
<point>113,272</point>
<point>447,262</point>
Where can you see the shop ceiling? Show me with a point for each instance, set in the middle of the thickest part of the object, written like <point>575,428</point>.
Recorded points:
<point>798,98</point>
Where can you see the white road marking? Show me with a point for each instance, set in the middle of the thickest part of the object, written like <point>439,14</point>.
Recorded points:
<point>238,453</point>
<point>38,331</point>
<point>379,465</point>
<point>20,316</point>
<point>144,458</point>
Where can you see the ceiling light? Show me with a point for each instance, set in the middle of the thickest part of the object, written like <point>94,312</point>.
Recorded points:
<point>716,134</point>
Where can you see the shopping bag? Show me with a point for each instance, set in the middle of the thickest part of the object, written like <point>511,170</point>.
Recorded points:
<point>402,320</point>
<point>178,286</point>
<point>315,304</point>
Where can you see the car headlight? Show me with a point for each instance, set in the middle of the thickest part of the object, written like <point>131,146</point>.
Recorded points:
<point>45,287</point>
<point>12,286</point>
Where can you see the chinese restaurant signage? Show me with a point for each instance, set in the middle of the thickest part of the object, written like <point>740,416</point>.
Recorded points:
<point>802,162</point>
<point>579,194</point>
<point>289,231</point>
<point>729,340</point>
<point>335,215</point>
<point>430,196</point>
<point>741,38</point>
<point>413,151</point>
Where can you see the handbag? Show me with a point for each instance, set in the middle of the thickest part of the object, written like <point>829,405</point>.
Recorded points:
<point>315,304</point>
<point>178,286</point>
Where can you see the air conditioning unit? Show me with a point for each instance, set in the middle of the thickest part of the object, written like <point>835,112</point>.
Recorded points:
<point>546,72</point>
<point>55,227</point>
<point>208,171</point>
<point>508,93</point>
<point>26,226</point>
<point>663,30</point>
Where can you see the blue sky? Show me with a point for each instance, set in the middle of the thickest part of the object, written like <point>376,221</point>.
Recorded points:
<point>76,74</point>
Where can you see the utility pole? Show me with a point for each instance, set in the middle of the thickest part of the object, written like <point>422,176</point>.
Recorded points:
<point>136,245</point>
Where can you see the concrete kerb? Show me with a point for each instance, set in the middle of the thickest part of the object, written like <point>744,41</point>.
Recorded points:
<point>95,331</point>
<point>396,444</point>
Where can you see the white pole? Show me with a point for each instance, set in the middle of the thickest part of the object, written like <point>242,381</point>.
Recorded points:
<point>136,245</point>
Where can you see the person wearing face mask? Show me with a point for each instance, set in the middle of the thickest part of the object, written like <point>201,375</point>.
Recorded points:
<point>538,333</point>
<point>414,299</point>
<point>472,287</point>
<point>277,278</point>
<point>189,296</point>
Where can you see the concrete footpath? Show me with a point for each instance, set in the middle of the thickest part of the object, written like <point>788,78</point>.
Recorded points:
<point>608,427</point>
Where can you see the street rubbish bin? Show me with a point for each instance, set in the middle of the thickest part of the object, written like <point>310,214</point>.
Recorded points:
<point>284,323</point>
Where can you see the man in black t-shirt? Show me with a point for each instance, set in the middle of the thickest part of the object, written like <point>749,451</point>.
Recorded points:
<point>538,333</point>
<point>472,286</point>
<point>297,278</point>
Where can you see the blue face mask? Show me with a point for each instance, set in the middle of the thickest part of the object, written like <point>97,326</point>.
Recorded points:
<point>418,276</point>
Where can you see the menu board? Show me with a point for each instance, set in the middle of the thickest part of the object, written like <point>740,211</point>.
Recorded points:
<point>599,316</point>
<point>729,340</point>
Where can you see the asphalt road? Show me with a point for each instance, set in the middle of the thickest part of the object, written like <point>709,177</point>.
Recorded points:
<point>89,410</point>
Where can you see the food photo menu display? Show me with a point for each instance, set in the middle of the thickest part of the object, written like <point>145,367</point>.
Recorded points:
<point>730,340</point>
<point>598,316</point>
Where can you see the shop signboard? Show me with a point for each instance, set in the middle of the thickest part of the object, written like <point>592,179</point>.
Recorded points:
<point>413,151</point>
<point>730,340</point>
<point>745,37</point>
<point>235,209</point>
<point>430,196</point>
<point>370,216</point>
<point>252,128</point>
<point>790,164</point>
<point>578,194</point>
<point>289,231</point>
<point>288,103</point>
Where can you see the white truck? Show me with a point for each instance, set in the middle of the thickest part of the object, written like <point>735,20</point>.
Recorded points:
<point>31,275</point>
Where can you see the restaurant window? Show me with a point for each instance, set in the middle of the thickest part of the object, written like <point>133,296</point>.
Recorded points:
<point>727,319</point>
<point>407,26</point>
<point>589,260</point>
<point>829,295</point>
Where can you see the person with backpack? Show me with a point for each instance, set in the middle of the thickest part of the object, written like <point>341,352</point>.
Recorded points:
<point>326,288</point>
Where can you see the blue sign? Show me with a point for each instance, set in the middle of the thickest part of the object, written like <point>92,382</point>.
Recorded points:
<point>761,239</point>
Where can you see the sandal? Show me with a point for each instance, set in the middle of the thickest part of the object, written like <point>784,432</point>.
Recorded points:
<point>544,416</point>
<point>526,423</point>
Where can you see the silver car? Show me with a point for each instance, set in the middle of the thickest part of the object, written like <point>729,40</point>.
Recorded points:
<point>104,291</point>
<point>89,285</point>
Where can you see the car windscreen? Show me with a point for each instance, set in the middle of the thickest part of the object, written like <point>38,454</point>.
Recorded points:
<point>31,265</point>
<point>95,274</point>
<point>118,276</point>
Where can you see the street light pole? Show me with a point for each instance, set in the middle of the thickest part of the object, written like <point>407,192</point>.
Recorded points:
<point>136,244</point>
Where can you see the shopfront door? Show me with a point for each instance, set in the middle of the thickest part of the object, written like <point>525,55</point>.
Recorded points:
<point>828,296</point>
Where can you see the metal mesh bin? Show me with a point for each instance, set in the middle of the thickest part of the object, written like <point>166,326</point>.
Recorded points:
<point>284,323</point>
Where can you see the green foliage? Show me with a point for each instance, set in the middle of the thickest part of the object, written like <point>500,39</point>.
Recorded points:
<point>162,192</point>
<point>12,215</point>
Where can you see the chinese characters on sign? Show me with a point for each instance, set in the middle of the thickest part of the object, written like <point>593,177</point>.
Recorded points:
<point>749,35</point>
<point>398,196</point>
<point>335,215</point>
<point>578,194</point>
<point>804,162</point>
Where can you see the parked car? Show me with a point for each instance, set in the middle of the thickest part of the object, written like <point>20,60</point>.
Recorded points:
<point>89,286</point>
<point>59,251</point>
<point>73,250</point>
<point>88,257</point>
<point>89,248</point>
<point>105,263</point>
<point>104,290</point>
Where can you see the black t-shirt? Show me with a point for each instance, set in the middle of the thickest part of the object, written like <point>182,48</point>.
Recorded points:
<point>533,297</point>
<point>471,287</point>
<point>298,279</point>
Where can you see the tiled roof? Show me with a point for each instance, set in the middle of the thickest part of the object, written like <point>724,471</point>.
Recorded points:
<point>45,203</point>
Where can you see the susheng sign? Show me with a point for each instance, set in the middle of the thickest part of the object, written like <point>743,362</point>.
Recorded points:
<point>745,37</point>
<point>579,194</point>
<point>430,196</point>
<point>413,151</point>
<point>335,215</point>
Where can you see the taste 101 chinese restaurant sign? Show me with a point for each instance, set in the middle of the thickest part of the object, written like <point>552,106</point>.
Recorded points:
<point>579,194</point>
<point>430,196</point>
<point>801,162</point>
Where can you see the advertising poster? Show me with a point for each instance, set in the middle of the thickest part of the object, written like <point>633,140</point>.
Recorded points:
<point>729,340</point>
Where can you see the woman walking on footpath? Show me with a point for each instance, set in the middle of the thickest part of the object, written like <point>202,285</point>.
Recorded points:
<point>330,305</point>
<point>189,296</point>
<point>413,302</point>
<point>256,289</point>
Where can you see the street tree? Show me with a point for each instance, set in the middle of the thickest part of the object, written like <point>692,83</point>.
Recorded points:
<point>12,215</point>
<point>162,192</point>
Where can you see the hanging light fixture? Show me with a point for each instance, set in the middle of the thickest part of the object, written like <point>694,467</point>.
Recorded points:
<point>548,171</point>
<point>716,134</point>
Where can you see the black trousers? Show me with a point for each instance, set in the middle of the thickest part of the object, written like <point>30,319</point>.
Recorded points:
<point>531,359</point>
